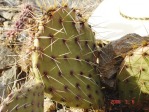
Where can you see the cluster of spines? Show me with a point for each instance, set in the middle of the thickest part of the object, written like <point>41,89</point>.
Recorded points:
<point>26,16</point>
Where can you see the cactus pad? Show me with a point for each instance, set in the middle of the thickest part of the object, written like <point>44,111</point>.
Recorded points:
<point>64,59</point>
<point>27,99</point>
<point>133,80</point>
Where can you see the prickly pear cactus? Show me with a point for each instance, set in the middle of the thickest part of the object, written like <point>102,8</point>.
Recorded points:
<point>133,80</point>
<point>27,99</point>
<point>112,55</point>
<point>64,58</point>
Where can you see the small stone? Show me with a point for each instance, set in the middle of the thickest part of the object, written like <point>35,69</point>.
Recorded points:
<point>6,57</point>
<point>7,15</point>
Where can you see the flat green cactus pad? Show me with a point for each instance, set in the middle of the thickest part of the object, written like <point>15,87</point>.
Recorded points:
<point>65,59</point>
<point>27,99</point>
<point>133,80</point>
